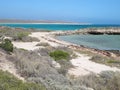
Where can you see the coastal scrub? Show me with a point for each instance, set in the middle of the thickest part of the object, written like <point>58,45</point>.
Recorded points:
<point>59,55</point>
<point>20,35</point>
<point>7,45</point>
<point>9,82</point>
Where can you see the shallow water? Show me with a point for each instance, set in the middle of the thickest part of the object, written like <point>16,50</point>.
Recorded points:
<point>102,42</point>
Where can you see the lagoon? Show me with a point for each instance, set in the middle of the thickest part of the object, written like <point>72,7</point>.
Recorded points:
<point>102,42</point>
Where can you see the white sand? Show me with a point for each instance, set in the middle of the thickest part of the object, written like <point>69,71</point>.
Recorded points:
<point>84,66</point>
<point>32,45</point>
<point>26,45</point>
<point>44,37</point>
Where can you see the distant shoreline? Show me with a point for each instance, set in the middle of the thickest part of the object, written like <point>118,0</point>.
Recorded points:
<point>52,23</point>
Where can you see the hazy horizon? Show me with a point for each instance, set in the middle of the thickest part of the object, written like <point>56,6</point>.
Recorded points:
<point>83,11</point>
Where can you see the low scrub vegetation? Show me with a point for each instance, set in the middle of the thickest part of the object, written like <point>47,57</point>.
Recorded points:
<point>39,69</point>
<point>9,82</point>
<point>65,66</point>
<point>107,80</point>
<point>20,35</point>
<point>45,44</point>
<point>26,39</point>
<point>12,32</point>
<point>7,45</point>
<point>17,34</point>
<point>113,61</point>
<point>59,55</point>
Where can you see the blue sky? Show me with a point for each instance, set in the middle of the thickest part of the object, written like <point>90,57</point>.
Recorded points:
<point>89,11</point>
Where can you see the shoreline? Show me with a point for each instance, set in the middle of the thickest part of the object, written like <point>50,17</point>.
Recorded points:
<point>82,65</point>
<point>108,53</point>
<point>51,37</point>
<point>53,23</point>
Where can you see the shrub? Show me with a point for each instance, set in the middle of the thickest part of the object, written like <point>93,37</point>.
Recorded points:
<point>7,45</point>
<point>29,39</point>
<point>59,55</point>
<point>96,58</point>
<point>65,66</point>
<point>9,82</point>
<point>39,69</point>
<point>106,80</point>
<point>20,35</point>
<point>43,44</point>
<point>113,61</point>
<point>14,32</point>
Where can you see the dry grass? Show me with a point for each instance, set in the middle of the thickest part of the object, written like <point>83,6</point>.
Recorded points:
<point>17,34</point>
<point>113,62</point>
<point>45,44</point>
<point>9,82</point>
<point>39,69</point>
<point>105,81</point>
<point>11,32</point>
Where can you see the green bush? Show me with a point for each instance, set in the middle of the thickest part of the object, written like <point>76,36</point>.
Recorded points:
<point>59,55</point>
<point>7,45</point>
<point>113,61</point>
<point>39,69</point>
<point>20,35</point>
<point>9,82</point>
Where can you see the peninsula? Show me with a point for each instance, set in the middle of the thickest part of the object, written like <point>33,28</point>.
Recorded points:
<point>37,56</point>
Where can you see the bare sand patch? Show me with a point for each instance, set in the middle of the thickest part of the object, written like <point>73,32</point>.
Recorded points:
<point>83,66</point>
<point>26,45</point>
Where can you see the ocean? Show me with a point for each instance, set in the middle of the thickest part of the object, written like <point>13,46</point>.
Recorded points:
<point>56,26</point>
<point>102,42</point>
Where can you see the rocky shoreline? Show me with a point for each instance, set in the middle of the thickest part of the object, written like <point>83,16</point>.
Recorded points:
<point>108,53</point>
<point>92,31</point>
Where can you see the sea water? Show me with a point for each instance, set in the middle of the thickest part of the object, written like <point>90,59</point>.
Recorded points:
<point>56,26</point>
<point>102,42</point>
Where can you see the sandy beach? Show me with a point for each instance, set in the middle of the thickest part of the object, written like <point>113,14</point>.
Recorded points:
<point>82,64</point>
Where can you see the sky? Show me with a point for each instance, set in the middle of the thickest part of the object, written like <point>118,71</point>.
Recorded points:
<point>84,11</point>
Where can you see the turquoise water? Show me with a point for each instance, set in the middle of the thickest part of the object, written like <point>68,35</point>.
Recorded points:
<point>56,26</point>
<point>102,42</point>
